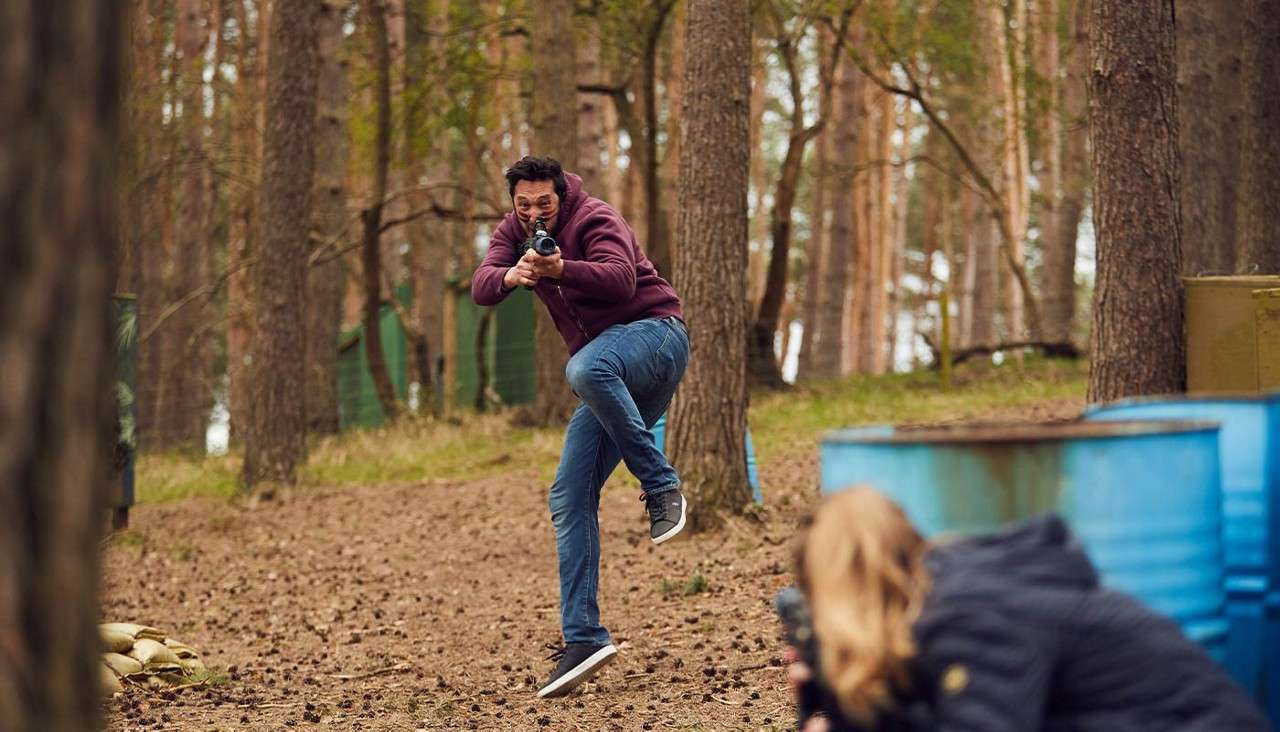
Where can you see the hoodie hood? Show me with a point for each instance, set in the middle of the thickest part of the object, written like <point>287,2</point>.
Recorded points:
<point>1040,552</point>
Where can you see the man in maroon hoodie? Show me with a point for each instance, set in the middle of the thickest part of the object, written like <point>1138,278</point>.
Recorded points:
<point>628,349</point>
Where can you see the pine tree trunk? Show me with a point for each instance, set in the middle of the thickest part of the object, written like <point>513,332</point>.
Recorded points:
<point>147,133</point>
<point>325,279</point>
<point>706,434</point>
<point>428,259</point>
<point>555,135</point>
<point>815,250</point>
<point>1259,249</point>
<point>370,247</point>
<point>757,261</point>
<point>827,342</point>
<point>1137,343</point>
<point>1209,120</point>
<point>590,114</point>
<point>901,201</point>
<point>657,243</point>
<point>277,441</point>
<point>60,93</point>
<point>186,406</point>
<point>1057,272</point>
<point>1061,286</point>
<point>247,143</point>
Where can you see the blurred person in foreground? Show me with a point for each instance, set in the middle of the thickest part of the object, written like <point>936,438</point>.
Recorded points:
<point>1009,631</point>
<point>628,347</point>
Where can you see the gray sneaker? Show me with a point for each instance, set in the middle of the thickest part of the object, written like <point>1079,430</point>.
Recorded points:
<point>577,663</point>
<point>667,512</point>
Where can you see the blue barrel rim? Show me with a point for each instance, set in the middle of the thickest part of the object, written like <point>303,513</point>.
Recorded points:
<point>1201,398</point>
<point>969,433</point>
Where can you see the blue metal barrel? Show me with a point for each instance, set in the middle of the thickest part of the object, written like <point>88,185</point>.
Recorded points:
<point>1142,496</point>
<point>1249,446</point>
<point>659,431</point>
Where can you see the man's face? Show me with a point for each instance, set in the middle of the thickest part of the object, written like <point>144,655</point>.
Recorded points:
<point>534,198</point>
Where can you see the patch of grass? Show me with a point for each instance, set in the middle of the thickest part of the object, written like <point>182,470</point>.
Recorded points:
<point>130,538</point>
<point>169,476</point>
<point>210,677</point>
<point>696,584</point>
<point>783,421</point>
<point>475,446</point>
<point>415,450</point>
<point>668,587</point>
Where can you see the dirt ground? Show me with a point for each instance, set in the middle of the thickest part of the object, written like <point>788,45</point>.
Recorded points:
<point>430,606</point>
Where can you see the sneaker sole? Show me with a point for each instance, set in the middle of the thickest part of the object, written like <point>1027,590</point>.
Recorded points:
<point>684,512</point>
<point>579,673</point>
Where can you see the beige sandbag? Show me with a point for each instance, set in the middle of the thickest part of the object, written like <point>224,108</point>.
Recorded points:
<point>110,682</point>
<point>121,664</point>
<point>153,654</point>
<point>133,630</point>
<point>180,649</point>
<point>115,641</point>
<point>193,665</point>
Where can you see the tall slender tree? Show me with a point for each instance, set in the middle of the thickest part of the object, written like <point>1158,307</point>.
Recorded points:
<point>1210,108</point>
<point>1259,247</point>
<point>1137,343</point>
<point>371,249</point>
<point>326,276</point>
<point>278,437</point>
<point>60,92</point>
<point>555,134</point>
<point>708,419</point>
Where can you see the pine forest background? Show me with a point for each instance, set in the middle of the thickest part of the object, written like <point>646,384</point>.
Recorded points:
<point>906,156</point>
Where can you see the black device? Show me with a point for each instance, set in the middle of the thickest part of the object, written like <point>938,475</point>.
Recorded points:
<point>797,624</point>
<point>539,241</point>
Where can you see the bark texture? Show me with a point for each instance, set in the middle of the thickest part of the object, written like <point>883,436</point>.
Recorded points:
<point>1133,119</point>
<point>555,134</point>
<point>277,441</point>
<point>325,279</point>
<point>826,344</point>
<point>706,434</point>
<point>60,91</point>
<point>1259,248</point>
<point>1209,117</point>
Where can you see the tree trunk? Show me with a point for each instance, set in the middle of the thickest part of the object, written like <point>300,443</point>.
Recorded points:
<point>815,250</point>
<point>1259,250</point>
<point>371,249</point>
<point>60,93</point>
<point>250,85</point>
<point>325,280</point>
<point>1137,343</point>
<point>757,268</point>
<point>1003,90</point>
<point>827,343</point>
<point>706,434</point>
<point>427,257</point>
<point>1060,285</point>
<point>182,368</point>
<point>901,199</point>
<point>877,331</point>
<point>658,238</point>
<point>277,441</point>
<point>590,114</point>
<point>555,134</point>
<point>1209,120</point>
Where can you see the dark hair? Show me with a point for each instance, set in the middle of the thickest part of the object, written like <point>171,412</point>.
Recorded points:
<point>534,168</point>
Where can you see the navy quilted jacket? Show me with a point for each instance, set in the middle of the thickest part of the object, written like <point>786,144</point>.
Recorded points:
<point>1017,636</point>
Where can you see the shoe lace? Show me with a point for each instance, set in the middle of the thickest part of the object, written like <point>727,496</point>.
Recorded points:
<point>655,505</point>
<point>557,652</point>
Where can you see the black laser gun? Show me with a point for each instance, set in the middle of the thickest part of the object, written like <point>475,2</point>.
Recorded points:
<point>540,241</point>
<point>798,628</point>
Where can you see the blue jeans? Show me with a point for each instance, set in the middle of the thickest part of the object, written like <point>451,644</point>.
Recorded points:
<point>625,378</point>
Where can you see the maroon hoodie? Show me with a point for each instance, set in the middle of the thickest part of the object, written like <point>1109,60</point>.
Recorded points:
<point>607,280</point>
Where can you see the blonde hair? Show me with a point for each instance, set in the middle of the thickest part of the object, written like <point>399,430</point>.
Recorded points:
<point>861,566</point>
